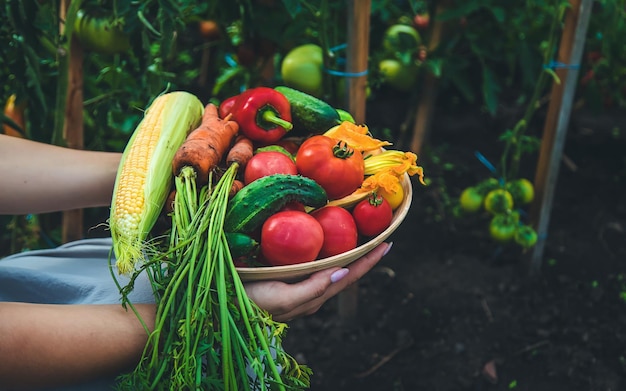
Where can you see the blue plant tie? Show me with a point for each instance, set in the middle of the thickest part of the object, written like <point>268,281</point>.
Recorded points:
<point>345,74</point>
<point>341,61</point>
<point>558,64</point>
<point>481,158</point>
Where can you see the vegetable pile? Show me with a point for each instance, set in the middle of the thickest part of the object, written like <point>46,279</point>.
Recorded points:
<point>241,191</point>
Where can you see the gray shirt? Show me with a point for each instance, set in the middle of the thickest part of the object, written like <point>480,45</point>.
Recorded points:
<point>75,273</point>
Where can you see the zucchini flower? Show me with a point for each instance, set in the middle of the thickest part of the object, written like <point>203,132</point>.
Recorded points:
<point>394,162</point>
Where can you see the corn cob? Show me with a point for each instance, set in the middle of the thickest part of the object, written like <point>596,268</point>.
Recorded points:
<point>144,175</point>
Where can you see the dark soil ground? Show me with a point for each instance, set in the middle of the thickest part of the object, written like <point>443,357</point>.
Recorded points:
<point>450,310</point>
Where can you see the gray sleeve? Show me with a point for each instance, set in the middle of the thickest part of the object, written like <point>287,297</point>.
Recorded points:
<point>75,273</point>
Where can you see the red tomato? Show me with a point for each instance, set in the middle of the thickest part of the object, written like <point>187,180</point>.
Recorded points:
<point>291,237</point>
<point>268,163</point>
<point>372,215</point>
<point>333,165</point>
<point>340,233</point>
<point>421,21</point>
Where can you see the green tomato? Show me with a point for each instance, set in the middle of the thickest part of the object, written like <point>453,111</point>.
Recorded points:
<point>302,69</point>
<point>401,38</point>
<point>498,201</point>
<point>100,34</point>
<point>522,190</point>
<point>525,236</point>
<point>397,75</point>
<point>502,227</point>
<point>487,185</point>
<point>471,200</point>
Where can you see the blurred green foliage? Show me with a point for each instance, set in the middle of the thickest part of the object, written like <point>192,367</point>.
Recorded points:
<point>490,51</point>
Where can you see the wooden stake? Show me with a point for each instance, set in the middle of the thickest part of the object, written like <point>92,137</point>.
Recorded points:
<point>426,103</point>
<point>557,120</point>
<point>72,225</point>
<point>356,62</point>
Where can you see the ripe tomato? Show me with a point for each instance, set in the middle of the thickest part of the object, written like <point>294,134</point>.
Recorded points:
<point>502,227</point>
<point>291,237</point>
<point>421,21</point>
<point>100,34</point>
<point>498,201</point>
<point>471,201</point>
<point>209,29</point>
<point>525,236</point>
<point>394,198</point>
<point>301,69</point>
<point>340,233</point>
<point>372,215</point>
<point>522,190</point>
<point>336,167</point>
<point>268,163</point>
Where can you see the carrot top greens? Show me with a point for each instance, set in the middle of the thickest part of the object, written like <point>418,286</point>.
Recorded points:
<point>208,334</point>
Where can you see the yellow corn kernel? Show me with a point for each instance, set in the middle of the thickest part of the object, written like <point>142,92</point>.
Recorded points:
<point>145,173</point>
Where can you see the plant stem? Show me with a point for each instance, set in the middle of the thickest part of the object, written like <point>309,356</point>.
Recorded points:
<point>514,141</point>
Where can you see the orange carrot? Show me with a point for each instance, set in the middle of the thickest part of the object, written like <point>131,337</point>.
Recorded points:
<point>237,185</point>
<point>241,151</point>
<point>169,202</point>
<point>206,145</point>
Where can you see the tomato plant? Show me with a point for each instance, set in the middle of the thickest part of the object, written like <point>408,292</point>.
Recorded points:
<point>335,166</point>
<point>291,237</point>
<point>498,201</point>
<point>100,33</point>
<point>268,163</point>
<point>525,236</point>
<point>401,38</point>
<point>372,215</point>
<point>398,75</point>
<point>502,227</point>
<point>340,232</point>
<point>522,191</point>
<point>301,69</point>
<point>471,200</point>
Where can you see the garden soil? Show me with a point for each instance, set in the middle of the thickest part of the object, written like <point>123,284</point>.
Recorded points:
<point>450,310</point>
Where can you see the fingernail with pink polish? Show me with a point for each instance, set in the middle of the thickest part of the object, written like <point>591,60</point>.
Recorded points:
<point>338,275</point>
<point>388,248</point>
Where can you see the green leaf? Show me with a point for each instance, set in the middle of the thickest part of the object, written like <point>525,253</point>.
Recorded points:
<point>293,7</point>
<point>434,66</point>
<point>490,91</point>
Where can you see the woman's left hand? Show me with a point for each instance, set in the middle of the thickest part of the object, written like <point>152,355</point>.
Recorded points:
<point>287,301</point>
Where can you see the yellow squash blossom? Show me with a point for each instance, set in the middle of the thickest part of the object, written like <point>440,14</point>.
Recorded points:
<point>356,136</point>
<point>395,162</point>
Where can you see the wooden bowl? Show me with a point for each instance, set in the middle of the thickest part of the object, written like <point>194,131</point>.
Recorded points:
<point>302,270</point>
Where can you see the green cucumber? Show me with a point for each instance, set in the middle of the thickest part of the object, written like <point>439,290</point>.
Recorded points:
<point>241,244</point>
<point>309,115</point>
<point>258,200</point>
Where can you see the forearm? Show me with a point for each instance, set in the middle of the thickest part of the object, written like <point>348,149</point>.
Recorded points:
<point>39,178</point>
<point>52,345</point>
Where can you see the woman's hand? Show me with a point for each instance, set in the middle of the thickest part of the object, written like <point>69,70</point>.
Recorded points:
<point>288,301</point>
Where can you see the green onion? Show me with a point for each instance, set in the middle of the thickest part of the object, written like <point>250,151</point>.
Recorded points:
<point>208,333</point>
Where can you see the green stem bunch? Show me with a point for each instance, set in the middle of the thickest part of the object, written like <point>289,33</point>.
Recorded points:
<point>208,334</point>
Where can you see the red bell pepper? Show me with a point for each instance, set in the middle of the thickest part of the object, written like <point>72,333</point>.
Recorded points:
<point>263,114</point>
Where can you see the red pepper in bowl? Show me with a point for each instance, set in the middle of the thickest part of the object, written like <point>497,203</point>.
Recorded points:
<point>263,114</point>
